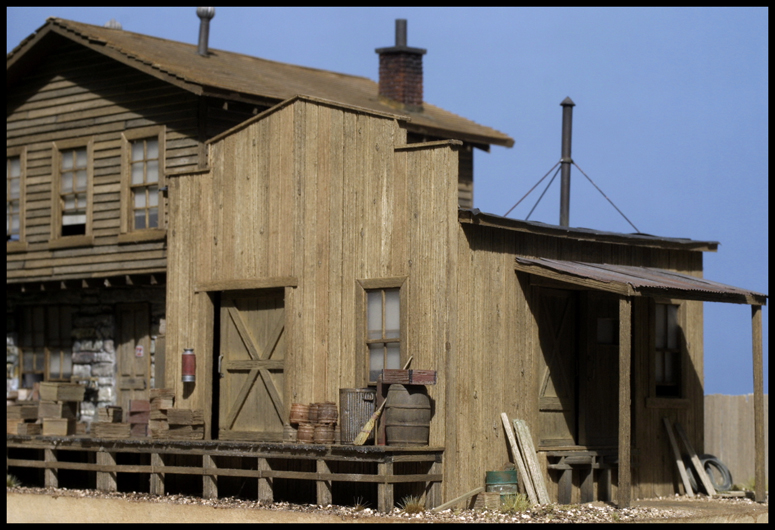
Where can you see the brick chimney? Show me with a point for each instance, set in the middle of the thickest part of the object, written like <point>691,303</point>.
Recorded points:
<point>400,71</point>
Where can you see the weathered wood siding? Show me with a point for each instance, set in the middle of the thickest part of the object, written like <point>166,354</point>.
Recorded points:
<point>75,93</point>
<point>495,366</point>
<point>318,194</point>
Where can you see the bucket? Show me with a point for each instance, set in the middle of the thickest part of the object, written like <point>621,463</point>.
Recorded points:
<point>306,433</point>
<point>299,413</point>
<point>356,405</point>
<point>407,416</point>
<point>324,434</point>
<point>327,412</point>
<point>503,482</point>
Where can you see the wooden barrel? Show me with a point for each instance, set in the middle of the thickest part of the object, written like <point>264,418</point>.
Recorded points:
<point>407,416</point>
<point>327,412</point>
<point>356,405</point>
<point>312,416</point>
<point>324,433</point>
<point>299,413</point>
<point>306,433</point>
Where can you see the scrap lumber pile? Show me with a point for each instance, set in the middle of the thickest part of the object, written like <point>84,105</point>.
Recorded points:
<point>109,424</point>
<point>22,418</point>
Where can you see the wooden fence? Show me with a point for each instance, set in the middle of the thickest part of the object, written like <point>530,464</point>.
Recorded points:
<point>729,434</point>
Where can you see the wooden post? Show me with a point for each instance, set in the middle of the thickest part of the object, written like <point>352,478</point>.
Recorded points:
<point>758,402</point>
<point>157,477</point>
<point>625,359</point>
<point>678,460</point>
<point>519,461</point>
<point>385,489</point>
<point>106,480</point>
<point>209,482</point>
<point>433,498</point>
<point>50,475</point>
<point>323,486</point>
<point>265,484</point>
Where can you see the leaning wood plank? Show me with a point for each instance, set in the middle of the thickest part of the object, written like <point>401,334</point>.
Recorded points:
<point>706,483</point>
<point>519,461</point>
<point>678,460</point>
<point>528,449</point>
<point>458,499</point>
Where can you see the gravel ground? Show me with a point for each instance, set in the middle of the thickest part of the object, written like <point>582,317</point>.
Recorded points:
<point>679,507</point>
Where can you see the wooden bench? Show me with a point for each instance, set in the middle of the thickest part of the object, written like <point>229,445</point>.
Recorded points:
<point>584,462</point>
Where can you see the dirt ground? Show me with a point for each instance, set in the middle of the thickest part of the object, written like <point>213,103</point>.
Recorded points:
<point>72,506</point>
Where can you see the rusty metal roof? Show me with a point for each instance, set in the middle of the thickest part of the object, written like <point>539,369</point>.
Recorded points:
<point>233,75</point>
<point>638,281</point>
<point>476,217</point>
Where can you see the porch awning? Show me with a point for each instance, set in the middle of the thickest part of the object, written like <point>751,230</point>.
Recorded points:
<point>638,281</point>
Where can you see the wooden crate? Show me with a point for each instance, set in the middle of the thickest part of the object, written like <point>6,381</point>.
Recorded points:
<point>162,398</point>
<point>139,416</point>
<point>58,427</point>
<point>409,377</point>
<point>185,417</point>
<point>61,392</point>
<point>139,404</point>
<point>23,427</point>
<point>186,432</point>
<point>110,430</point>
<point>58,409</point>
<point>110,414</point>
<point>138,429</point>
<point>22,411</point>
<point>488,500</point>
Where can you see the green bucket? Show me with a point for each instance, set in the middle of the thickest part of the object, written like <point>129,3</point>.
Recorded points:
<point>503,482</point>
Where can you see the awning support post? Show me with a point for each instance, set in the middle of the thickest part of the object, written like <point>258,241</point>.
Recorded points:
<point>625,360</point>
<point>758,402</point>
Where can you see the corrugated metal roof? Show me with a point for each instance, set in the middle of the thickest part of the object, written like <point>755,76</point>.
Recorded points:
<point>476,217</point>
<point>638,281</point>
<point>226,72</point>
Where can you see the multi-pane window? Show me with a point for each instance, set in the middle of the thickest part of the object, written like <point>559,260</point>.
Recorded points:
<point>46,344</point>
<point>144,183</point>
<point>667,358</point>
<point>73,190</point>
<point>13,201</point>
<point>383,336</point>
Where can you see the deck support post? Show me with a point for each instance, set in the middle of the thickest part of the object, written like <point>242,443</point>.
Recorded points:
<point>50,475</point>
<point>625,360</point>
<point>758,403</point>
<point>106,480</point>
<point>209,482</point>
<point>265,483</point>
<point>323,486</point>
<point>384,488</point>
<point>157,477</point>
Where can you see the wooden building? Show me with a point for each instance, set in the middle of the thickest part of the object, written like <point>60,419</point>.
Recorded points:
<point>320,234</point>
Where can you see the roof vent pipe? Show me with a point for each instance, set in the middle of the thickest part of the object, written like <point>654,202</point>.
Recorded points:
<point>204,14</point>
<point>113,24</point>
<point>566,160</point>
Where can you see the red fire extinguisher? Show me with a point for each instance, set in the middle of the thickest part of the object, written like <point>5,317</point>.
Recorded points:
<point>189,366</point>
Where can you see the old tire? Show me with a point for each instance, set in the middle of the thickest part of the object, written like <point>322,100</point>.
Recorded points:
<point>709,461</point>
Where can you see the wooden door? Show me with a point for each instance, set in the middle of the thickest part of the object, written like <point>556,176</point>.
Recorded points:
<point>133,353</point>
<point>557,323</point>
<point>599,372</point>
<point>252,350</point>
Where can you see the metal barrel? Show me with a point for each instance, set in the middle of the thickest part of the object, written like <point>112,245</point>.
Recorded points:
<point>407,416</point>
<point>503,482</point>
<point>356,405</point>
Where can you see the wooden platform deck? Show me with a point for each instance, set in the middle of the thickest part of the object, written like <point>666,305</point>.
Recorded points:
<point>209,466</point>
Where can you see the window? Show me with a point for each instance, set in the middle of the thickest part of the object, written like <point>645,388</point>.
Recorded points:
<point>72,189</point>
<point>143,167</point>
<point>667,351</point>
<point>46,345</point>
<point>14,195</point>
<point>382,327</point>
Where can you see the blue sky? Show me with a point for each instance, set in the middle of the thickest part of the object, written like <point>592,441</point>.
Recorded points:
<point>670,118</point>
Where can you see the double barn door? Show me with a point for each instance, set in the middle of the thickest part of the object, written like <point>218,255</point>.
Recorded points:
<point>252,366</point>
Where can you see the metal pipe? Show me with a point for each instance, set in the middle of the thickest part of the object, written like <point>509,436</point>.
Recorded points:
<point>400,32</point>
<point>204,14</point>
<point>566,160</point>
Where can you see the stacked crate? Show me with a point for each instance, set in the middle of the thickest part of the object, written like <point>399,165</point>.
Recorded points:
<point>109,425</point>
<point>162,399</point>
<point>139,415</point>
<point>22,417</point>
<point>185,424</point>
<point>58,408</point>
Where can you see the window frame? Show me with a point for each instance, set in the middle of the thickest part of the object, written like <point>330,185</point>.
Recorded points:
<point>364,286</point>
<point>57,239</point>
<point>51,346</point>
<point>127,231</point>
<point>21,153</point>
<point>656,398</point>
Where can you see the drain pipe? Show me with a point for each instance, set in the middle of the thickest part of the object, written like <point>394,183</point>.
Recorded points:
<point>567,128</point>
<point>204,14</point>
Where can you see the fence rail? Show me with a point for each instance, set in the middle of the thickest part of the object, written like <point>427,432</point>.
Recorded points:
<point>729,428</point>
